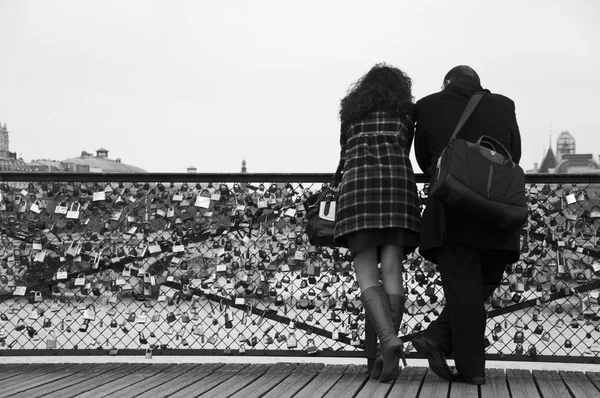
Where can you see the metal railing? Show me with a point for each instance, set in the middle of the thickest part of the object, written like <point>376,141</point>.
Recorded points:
<point>218,264</point>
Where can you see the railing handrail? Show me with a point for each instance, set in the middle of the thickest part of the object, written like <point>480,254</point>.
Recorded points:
<point>249,177</point>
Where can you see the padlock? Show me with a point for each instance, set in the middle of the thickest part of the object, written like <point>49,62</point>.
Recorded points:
<point>185,318</point>
<point>417,327</point>
<point>84,326</point>
<point>558,309</point>
<point>497,327</point>
<point>142,338</point>
<point>546,337</point>
<point>539,329</point>
<point>568,343</point>
<point>73,212</point>
<point>311,348</point>
<point>574,324</point>
<point>51,343</point>
<point>142,318</point>
<point>532,352</point>
<point>519,337</point>
<point>20,325</point>
<point>33,314</point>
<point>156,316</point>
<point>148,353</point>
<point>89,313</point>
<point>131,317</point>
<point>519,349</point>
<point>171,318</point>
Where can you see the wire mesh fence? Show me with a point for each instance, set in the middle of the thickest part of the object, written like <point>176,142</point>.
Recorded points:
<point>220,264</point>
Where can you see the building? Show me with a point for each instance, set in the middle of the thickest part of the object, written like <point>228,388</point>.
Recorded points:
<point>98,164</point>
<point>566,160</point>
<point>8,159</point>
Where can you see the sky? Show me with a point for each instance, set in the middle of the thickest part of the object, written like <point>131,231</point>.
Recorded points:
<point>164,85</point>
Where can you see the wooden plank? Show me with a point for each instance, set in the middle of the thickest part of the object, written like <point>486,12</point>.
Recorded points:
<point>180,382</point>
<point>221,375</point>
<point>579,384</point>
<point>434,386</point>
<point>301,376</point>
<point>550,384</point>
<point>325,379</point>
<point>351,381</point>
<point>459,390</point>
<point>521,383</point>
<point>88,372</point>
<point>495,384</point>
<point>26,382</point>
<point>32,378</point>
<point>238,381</point>
<point>10,370</point>
<point>122,369</point>
<point>409,382</point>
<point>594,378</point>
<point>133,375</point>
<point>374,388</point>
<point>266,382</point>
<point>166,375</point>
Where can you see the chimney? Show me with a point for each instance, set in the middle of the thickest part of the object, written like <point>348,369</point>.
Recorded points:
<point>535,167</point>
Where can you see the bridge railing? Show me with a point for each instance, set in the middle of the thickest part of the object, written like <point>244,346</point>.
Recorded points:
<point>218,264</point>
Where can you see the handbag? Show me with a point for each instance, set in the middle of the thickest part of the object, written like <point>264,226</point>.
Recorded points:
<point>481,178</point>
<point>320,212</point>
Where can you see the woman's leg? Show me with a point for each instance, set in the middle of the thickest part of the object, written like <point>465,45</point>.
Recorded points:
<point>391,269</point>
<point>393,283</point>
<point>365,264</point>
<point>377,308</point>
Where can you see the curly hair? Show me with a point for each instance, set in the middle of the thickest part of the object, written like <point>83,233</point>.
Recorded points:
<point>383,88</point>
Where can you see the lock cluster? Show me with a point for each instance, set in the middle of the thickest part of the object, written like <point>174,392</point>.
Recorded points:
<point>226,267</point>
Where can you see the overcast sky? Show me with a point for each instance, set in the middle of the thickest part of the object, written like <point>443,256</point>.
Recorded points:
<point>168,84</point>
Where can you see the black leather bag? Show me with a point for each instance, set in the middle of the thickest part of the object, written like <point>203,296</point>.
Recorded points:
<point>320,212</point>
<point>481,178</point>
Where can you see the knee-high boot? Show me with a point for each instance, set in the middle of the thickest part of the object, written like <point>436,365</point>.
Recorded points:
<point>377,307</point>
<point>397,303</point>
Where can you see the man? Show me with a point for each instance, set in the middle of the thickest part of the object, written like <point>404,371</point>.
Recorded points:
<point>471,255</point>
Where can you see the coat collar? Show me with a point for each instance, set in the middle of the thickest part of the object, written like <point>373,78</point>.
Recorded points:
<point>464,88</point>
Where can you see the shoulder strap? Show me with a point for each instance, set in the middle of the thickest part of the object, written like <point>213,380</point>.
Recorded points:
<point>337,176</point>
<point>471,105</point>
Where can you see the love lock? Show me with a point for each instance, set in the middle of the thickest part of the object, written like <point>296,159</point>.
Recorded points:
<point>31,331</point>
<point>311,348</point>
<point>519,337</point>
<point>568,343</point>
<point>519,349</point>
<point>84,326</point>
<point>89,313</point>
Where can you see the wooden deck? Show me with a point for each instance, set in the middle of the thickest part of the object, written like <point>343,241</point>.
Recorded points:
<point>274,380</point>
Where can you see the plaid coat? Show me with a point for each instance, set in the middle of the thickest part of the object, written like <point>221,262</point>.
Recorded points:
<point>378,187</point>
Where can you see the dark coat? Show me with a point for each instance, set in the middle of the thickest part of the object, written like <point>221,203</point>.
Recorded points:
<point>378,188</point>
<point>436,118</point>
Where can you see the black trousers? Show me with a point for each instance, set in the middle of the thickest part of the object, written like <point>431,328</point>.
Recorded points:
<point>469,276</point>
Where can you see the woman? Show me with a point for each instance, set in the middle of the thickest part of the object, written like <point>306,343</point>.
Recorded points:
<point>377,215</point>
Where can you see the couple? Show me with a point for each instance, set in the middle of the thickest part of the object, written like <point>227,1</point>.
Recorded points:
<point>378,214</point>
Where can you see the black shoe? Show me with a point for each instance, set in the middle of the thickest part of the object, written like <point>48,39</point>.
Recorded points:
<point>436,357</point>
